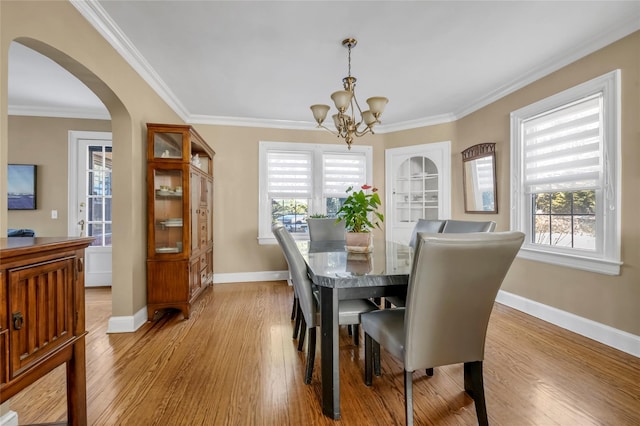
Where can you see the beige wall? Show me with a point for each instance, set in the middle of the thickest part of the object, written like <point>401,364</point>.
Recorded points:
<point>44,142</point>
<point>609,300</point>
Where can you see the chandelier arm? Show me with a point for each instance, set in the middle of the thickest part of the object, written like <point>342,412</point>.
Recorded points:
<point>322,126</point>
<point>360,133</point>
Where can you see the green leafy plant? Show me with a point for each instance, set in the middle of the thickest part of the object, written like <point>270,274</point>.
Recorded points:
<point>358,208</point>
<point>318,216</point>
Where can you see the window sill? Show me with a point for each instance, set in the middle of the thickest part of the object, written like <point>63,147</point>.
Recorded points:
<point>591,264</point>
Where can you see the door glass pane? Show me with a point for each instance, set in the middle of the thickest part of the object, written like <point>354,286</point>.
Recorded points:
<point>98,201</point>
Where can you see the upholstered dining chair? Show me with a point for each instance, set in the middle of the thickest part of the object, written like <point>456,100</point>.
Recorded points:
<point>348,310</point>
<point>425,225</point>
<point>448,309</point>
<point>445,227</point>
<point>464,226</point>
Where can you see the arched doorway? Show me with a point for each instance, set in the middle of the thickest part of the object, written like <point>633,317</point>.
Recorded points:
<point>123,291</point>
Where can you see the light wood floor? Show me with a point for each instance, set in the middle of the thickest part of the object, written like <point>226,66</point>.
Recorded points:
<point>234,363</point>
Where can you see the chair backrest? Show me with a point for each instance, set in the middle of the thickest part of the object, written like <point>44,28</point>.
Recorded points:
<point>326,229</point>
<point>463,226</point>
<point>452,288</point>
<point>298,270</point>
<point>428,226</point>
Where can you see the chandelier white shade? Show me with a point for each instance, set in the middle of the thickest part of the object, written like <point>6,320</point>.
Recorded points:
<point>345,121</point>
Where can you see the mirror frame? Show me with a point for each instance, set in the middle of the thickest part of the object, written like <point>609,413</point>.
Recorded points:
<point>475,153</point>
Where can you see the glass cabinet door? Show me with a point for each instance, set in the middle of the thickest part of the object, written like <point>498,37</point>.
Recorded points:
<point>418,186</point>
<point>167,145</point>
<point>416,195</point>
<point>168,210</point>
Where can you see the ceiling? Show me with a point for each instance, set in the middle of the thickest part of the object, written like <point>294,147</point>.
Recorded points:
<point>264,63</point>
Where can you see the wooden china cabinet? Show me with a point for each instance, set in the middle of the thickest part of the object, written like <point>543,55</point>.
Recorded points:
<point>179,217</point>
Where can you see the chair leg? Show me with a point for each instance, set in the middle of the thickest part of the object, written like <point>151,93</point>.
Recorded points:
<point>408,397</point>
<point>368,357</point>
<point>311,355</point>
<point>429,372</point>
<point>376,358</point>
<point>303,330</point>
<point>356,334</point>
<point>294,309</point>
<point>474,386</point>
<point>297,325</point>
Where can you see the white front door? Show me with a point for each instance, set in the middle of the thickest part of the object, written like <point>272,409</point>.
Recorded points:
<point>418,186</point>
<point>90,168</point>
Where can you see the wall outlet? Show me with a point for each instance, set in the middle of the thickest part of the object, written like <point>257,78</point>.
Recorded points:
<point>54,214</point>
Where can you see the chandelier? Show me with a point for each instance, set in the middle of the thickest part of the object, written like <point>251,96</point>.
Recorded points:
<point>346,103</point>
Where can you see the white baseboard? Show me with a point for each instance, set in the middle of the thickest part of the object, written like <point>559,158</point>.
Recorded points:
<point>127,324</point>
<point>10,418</point>
<point>242,277</point>
<point>618,339</point>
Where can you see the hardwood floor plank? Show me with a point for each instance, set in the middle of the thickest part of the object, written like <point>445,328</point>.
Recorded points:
<point>234,363</point>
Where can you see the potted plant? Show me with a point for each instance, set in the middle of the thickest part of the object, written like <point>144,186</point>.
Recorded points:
<point>360,214</point>
<point>324,228</point>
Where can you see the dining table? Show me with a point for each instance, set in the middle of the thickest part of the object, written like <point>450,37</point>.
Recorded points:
<point>342,275</point>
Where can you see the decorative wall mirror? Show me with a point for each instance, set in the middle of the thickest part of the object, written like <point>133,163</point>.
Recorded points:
<point>479,178</point>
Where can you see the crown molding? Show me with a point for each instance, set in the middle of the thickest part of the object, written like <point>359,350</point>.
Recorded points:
<point>57,112</point>
<point>251,122</point>
<point>102,22</point>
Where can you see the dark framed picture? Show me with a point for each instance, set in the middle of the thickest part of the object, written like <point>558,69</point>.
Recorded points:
<point>21,188</point>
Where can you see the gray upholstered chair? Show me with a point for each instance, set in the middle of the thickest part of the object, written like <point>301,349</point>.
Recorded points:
<point>349,310</point>
<point>448,308</point>
<point>422,225</point>
<point>464,226</point>
<point>425,225</point>
<point>326,229</point>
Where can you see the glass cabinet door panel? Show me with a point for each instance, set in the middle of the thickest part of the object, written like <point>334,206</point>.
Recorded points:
<point>209,210</point>
<point>195,195</point>
<point>167,145</point>
<point>168,210</point>
<point>416,195</point>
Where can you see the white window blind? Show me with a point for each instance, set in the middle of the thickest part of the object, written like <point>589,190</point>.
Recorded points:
<point>563,148</point>
<point>340,171</point>
<point>289,174</point>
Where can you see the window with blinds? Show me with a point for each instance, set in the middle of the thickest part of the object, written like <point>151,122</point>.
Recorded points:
<point>565,177</point>
<point>289,174</point>
<point>341,171</point>
<point>563,148</point>
<point>298,180</point>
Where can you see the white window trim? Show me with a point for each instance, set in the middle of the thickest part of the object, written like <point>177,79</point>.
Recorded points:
<point>606,259</point>
<point>264,214</point>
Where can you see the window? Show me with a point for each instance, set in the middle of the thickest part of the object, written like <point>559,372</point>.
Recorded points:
<point>298,180</point>
<point>565,176</point>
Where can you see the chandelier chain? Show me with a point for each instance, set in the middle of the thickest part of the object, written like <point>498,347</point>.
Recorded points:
<point>349,73</point>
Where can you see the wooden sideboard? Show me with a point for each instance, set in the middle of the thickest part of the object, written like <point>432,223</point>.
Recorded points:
<point>42,316</point>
